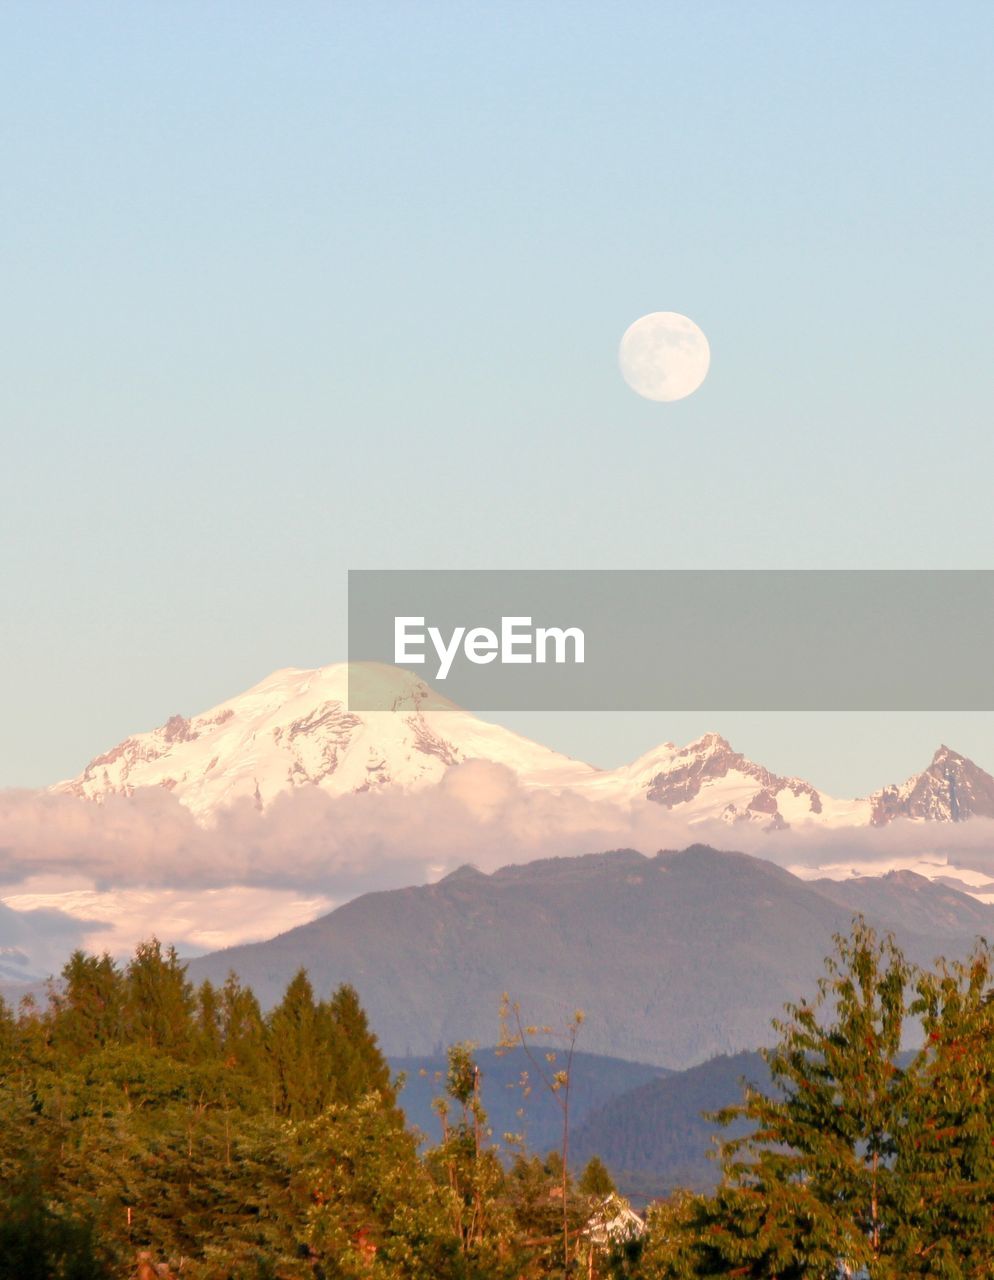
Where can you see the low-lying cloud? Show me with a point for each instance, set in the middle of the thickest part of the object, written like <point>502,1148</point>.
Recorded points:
<point>308,850</point>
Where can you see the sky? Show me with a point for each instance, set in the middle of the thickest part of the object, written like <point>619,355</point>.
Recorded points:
<point>289,290</point>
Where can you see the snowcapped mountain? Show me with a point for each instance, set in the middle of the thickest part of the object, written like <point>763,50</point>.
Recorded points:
<point>951,789</point>
<point>708,780</point>
<point>294,729</point>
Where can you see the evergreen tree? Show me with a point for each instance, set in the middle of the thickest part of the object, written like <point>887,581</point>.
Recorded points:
<point>37,1243</point>
<point>209,1032</point>
<point>243,1028</point>
<point>362,1067</point>
<point>301,1052</point>
<point>86,1007</point>
<point>140,1103</point>
<point>595,1181</point>
<point>158,999</point>
<point>9,1038</point>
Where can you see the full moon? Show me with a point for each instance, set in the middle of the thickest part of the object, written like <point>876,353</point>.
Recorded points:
<point>664,356</point>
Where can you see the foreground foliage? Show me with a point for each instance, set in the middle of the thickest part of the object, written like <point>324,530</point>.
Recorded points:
<point>137,1114</point>
<point>862,1160</point>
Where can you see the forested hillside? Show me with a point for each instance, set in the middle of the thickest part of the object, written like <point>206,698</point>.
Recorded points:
<point>660,1136</point>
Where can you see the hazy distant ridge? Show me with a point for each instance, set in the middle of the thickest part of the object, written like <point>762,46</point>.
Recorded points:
<point>674,958</point>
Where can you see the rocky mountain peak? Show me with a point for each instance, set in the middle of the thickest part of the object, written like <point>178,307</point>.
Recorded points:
<point>711,760</point>
<point>951,789</point>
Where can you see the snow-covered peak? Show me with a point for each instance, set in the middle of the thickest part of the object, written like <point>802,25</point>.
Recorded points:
<point>295,729</point>
<point>708,779</point>
<point>951,789</point>
<point>708,744</point>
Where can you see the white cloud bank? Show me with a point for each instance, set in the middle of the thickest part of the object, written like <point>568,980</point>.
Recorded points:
<point>142,865</point>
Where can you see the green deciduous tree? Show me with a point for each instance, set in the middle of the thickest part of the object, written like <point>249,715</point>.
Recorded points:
<point>945,1149</point>
<point>863,1160</point>
<point>466,1166</point>
<point>822,1151</point>
<point>374,1211</point>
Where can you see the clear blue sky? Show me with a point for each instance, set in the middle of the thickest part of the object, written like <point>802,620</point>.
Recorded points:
<point>289,289</point>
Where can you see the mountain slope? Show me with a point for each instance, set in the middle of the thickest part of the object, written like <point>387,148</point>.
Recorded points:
<point>656,1137</point>
<point>595,1081</point>
<point>906,902</point>
<point>674,958</point>
<point>33,944</point>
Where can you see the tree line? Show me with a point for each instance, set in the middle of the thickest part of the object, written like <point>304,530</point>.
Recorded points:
<point>150,1128</point>
<point>147,1124</point>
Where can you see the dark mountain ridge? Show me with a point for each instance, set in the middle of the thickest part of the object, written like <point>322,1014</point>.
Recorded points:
<point>657,1136</point>
<point>595,1081</point>
<point>674,958</point>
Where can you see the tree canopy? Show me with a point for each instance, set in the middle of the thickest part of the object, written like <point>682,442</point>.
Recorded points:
<point>139,1115</point>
